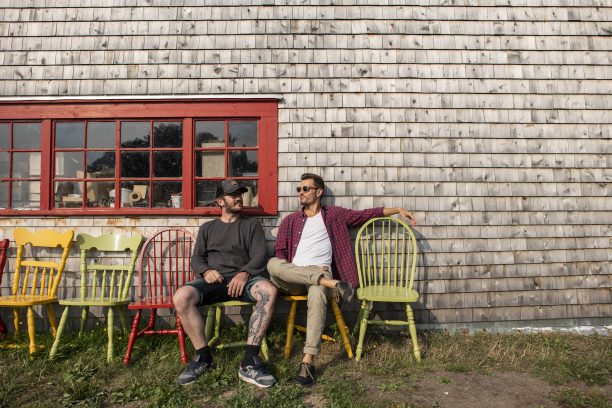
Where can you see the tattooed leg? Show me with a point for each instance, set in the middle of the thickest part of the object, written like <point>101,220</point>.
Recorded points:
<point>265,295</point>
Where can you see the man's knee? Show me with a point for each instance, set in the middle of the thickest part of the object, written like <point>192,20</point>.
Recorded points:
<point>264,290</point>
<point>184,298</point>
<point>274,265</point>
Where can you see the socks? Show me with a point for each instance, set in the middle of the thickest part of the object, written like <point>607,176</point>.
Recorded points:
<point>204,355</point>
<point>249,352</point>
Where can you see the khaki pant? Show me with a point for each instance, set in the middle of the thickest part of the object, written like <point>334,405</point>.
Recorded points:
<point>301,280</point>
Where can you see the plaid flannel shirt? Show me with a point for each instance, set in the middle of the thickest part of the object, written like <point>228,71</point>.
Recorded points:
<point>337,222</point>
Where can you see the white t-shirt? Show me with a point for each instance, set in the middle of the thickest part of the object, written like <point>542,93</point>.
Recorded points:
<point>314,247</point>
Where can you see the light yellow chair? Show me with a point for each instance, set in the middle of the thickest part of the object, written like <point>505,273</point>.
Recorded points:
<point>36,282</point>
<point>386,255</point>
<point>291,326</point>
<point>109,285</point>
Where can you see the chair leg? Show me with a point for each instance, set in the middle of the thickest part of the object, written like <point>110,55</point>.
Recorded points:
<point>52,319</point>
<point>110,326</point>
<point>264,349</point>
<point>132,338</point>
<point>210,319</point>
<point>413,333</point>
<point>290,328</point>
<point>217,334</point>
<point>343,329</point>
<point>84,313</point>
<point>181,339</point>
<point>60,330</point>
<point>123,318</point>
<point>32,329</point>
<point>359,317</point>
<point>16,322</point>
<point>365,313</point>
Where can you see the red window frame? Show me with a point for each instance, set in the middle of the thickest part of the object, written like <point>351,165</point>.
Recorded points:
<point>265,111</point>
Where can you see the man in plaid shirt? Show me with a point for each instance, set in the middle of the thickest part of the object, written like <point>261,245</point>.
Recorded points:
<point>314,255</point>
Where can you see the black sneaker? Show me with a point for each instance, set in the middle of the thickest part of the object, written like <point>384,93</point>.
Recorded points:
<point>193,370</point>
<point>256,374</point>
<point>343,293</point>
<point>306,375</point>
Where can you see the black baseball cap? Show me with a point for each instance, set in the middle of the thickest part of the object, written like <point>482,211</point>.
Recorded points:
<point>231,186</point>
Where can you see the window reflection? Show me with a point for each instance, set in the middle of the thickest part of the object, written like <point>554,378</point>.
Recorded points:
<point>210,133</point>
<point>26,135</point>
<point>98,193</point>
<point>135,164</point>
<point>4,164</point>
<point>69,164</point>
<point>4,194</point>
<point>26,195</point>
<point>210,164</point>
<point>243,163</point>
<point>167,164</point>
<point>100,164</point>
<point>101,135</point>
<point>243,134</point>
<point>69,135</point>
<point>206,192</point>
<point>135,134</point>
<point>5,136</point>
<point>26,165</point>
<point>167,134</point>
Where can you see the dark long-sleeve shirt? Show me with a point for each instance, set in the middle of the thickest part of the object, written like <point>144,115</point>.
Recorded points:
<point>230,248</point>
<point>337,221</point>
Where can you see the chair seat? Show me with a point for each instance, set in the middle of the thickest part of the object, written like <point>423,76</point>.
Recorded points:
<point>162,302</point>
<point>26,300</point>
<point>229,303</point>
<point>93,302</point>
<point>387,294</point>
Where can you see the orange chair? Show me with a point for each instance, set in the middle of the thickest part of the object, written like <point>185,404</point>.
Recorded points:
<point>163,267</point>
<point>4,244</point>
<point>35,282</point>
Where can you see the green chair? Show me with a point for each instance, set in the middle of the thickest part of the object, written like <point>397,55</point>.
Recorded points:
<point>102,284</point>
<point>214,319</point>
<point>386,255</point>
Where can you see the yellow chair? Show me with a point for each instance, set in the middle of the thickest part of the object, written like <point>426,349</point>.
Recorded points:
<point>213,320</point>
<point>109,285</point>
<point>291,326</point>
<point>386,255</point>
<point>36,282</point>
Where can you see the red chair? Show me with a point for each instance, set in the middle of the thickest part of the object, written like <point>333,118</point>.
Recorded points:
<point>163,267</point>
<point>4,244</point>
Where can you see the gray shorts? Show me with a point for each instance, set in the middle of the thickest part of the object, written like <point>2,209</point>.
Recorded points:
<point>217,292</point>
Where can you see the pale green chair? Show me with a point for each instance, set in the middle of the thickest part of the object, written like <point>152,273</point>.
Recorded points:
<point>102,284</point>
<point>386,255</point>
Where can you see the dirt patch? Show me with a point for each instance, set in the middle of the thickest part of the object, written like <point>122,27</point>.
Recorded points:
<point>446,389</point>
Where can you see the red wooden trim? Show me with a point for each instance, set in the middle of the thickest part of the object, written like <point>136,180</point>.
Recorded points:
<point>263,110</point>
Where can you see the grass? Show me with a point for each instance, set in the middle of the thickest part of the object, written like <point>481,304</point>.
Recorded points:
<point>576,367</point>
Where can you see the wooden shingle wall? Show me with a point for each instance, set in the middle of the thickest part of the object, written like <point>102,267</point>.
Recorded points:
<point>490,119</point>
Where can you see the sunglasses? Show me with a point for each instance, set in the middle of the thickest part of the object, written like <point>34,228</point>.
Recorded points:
<point>305,188</point>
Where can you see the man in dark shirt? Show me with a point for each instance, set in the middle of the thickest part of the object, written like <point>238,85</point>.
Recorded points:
<point>314,255</point>
<point>230,256</point>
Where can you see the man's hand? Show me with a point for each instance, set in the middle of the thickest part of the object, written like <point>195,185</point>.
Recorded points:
<point>236,285</point>
<point>213,276</point>
<point>407,215</point>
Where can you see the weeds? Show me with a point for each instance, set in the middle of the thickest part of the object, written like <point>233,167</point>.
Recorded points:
<point>388,374</point>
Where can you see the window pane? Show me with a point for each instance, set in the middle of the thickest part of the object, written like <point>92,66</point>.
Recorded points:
<point>26,135</point>
<point>26,194</point>
<point>98,193</point>
<point>250,198</point>
<point>167,164</point>
<point>138,194</point>
<point>69,135</point>
<point>135,164</point>
<point>243,134</point>
<point>100,164</point>
<point>167,194</point>
<point>167,134</point>
<point>4,164</point>
<point>210,164</point>
<point>68,194</point>
<point>243,163</point>
<point>5,136</point>
<point>69,164</point>
<point>135,134</point>
<point>100,135</point>
<point>210,134</point>
<point>206,191</point>
<point>26,165</point>
<point>4,194</point>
